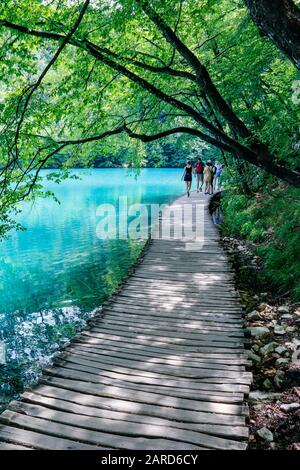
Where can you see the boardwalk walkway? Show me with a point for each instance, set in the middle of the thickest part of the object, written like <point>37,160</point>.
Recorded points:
<point>162,367</point>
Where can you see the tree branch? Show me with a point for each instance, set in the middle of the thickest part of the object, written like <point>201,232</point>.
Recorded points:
<point>34,87</point>
<point>203,77</point>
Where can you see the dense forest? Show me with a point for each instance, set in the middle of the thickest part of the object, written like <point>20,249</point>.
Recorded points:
<point>145,83</point>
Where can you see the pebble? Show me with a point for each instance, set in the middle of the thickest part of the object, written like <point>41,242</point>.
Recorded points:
<point>264,294</point>
<point>267,384</point>
<point>265,434</point>
<point>258,331</point>
<point>254,357</point>
<point>287,316</point>
<point>254,315</point>
<point>264,306</point>
<point>296,446</point>
<point>280,349</point>
<point>279,377</point>
<point>297,391</point>
<point>289,407</point>
<point>284,309</point>
<point>279,330</point>
<point>258,396</point>
<point>290,329</point>
<point>268,348</point>
<point>281,361</point>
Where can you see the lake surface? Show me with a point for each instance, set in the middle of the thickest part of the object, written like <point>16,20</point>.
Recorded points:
<point>55,274</point>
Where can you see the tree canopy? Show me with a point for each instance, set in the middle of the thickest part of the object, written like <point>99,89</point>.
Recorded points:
<point>87,77</point>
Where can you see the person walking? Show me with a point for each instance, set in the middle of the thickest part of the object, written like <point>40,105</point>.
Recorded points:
<point>208,177</point>
<point>187,177</point>
<point>199,174</point>
<point>218,169</point>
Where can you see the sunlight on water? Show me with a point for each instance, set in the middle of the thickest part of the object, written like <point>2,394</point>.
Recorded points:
<point>55,274</point>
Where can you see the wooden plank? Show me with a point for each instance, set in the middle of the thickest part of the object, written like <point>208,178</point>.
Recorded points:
<point>173,370</point>
<point>187,325</point>
<point>39,440</point>
<point>176,343</point>
<point>177,336</point>
<point>158,346</point>
<point>132,406</point>
<point>92,374</point>
<point>8,446</point>
<point>218,310</point>
<point>188,359</point>
<point>168,322</point>
<point>150,328</point>
<point>188,402</point>
<point>171,389</point>
<point>133,430</point>
<point>176,314</point>
<point>176,291</point>
<point>91,437</point>
<point>94,355</point>
<point>90,409</point>
<point>188,305</point>
<point>214,278</point>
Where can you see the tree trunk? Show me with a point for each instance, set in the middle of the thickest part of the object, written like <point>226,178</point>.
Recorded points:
<point>280,21</point>
<point>242,177</point>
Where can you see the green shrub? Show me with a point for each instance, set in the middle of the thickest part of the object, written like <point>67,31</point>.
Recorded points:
<point>271,222</point>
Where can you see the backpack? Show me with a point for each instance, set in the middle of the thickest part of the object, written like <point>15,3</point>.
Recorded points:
<point>199,168</point>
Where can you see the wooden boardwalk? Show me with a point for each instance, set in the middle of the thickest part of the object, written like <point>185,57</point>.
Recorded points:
<point>162,366</point>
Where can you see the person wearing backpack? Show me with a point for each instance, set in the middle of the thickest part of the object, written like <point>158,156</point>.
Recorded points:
<point>198,170</point>
<point>218,169</point>
<point>208,177</point>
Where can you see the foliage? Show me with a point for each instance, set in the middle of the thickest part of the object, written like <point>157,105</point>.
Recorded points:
<point>270,221</point>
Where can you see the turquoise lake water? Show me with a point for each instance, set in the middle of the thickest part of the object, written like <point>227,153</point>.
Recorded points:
<point>56,273</point>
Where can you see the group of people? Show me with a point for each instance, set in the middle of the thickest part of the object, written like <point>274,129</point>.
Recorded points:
<point>207,174</point>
